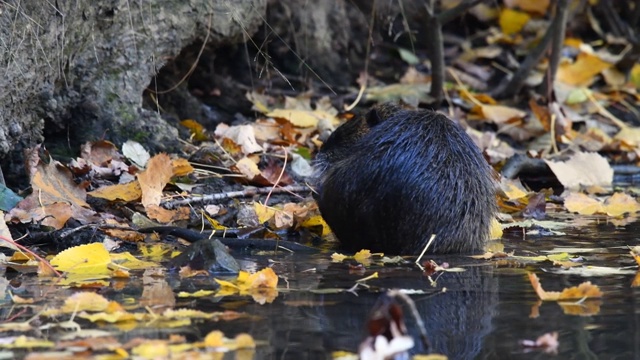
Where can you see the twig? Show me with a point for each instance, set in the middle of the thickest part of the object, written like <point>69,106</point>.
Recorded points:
<point>249,191</point>
<point>558,29</point>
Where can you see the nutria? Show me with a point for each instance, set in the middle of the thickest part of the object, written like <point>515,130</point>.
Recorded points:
<point>389,180</point>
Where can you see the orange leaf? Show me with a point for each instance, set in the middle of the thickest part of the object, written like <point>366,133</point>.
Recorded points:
<point>154,178</point>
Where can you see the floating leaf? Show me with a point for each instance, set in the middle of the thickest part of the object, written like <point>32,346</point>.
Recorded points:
<point>84,259</point>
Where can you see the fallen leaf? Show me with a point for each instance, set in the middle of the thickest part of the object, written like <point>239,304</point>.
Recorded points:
<point>84,259</point>
<point>512,21</point>
<point>584,169</point>
<point>582,72</point>
<point>583,291</point>
<point>154,178</point>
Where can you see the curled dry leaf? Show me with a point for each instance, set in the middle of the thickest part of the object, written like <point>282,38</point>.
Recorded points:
<point>586,290</point>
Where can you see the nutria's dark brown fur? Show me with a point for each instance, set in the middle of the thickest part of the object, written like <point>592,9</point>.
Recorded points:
<point>390,179</point>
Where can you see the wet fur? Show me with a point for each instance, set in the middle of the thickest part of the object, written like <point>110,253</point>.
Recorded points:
<point>389,180</point>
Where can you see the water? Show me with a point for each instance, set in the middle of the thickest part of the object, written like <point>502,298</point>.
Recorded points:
<point>484,314</point>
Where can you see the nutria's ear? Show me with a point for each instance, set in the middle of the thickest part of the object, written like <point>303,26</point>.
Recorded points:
<point>373,117</point>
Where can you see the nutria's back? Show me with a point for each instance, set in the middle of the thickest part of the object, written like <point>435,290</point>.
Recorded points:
<point>392,178</point>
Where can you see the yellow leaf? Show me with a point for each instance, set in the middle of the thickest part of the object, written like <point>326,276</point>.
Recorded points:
<point>512,21</point>
<point>336,257</point>
<point>495,230</point>
<point>583,204</point>
<point>362,255</point>
<point>199,293</point>
<point>302,118</point>
<point>635,76</point>
<point>197,130</point>
<point>226,284</point>
<point>317,220</point>
<point>619,204</point>
<point>245,341</point>
<point>131,262</point>
<point>127,192</point>
<point>83,259</point>
<point>214,339</point>
<point>85,301</point>
<point>22,342</point>
<point>152,349</point>
<point>263,278</point>
<point>583,71</point>
<point>264,213</point>
<point>181,167</point>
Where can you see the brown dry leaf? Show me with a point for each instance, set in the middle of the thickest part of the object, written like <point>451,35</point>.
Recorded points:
<point>586,290</point>
<point>128,235</point>
<point>283,219</point>
<point>542,113</point>
<point>512,21</point>
<point>584,169</point>
<point>156,293</point>
<point>54,183</point>
<point>126,192</point>
<point>154,178</point>
<point>100,153</point>
<point>583,71</point>
<point>583,204</point>
<point>54,215</point>
<point>166,216</point>
<point>275,174</point>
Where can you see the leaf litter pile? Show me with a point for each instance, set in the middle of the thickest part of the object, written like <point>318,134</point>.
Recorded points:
<point>76,230</point>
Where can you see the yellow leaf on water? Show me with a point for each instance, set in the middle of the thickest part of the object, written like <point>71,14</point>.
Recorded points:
<point>85,301</point>
<point>214,339</point>
<point>619,204</point>
<point>583,291</point>
<point>362,255</point>
<point>583,204</point>
<point>336,257</point>
<point>90,259</point>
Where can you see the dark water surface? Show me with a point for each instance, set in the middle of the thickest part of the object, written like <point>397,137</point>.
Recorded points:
<point>484,313</point>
